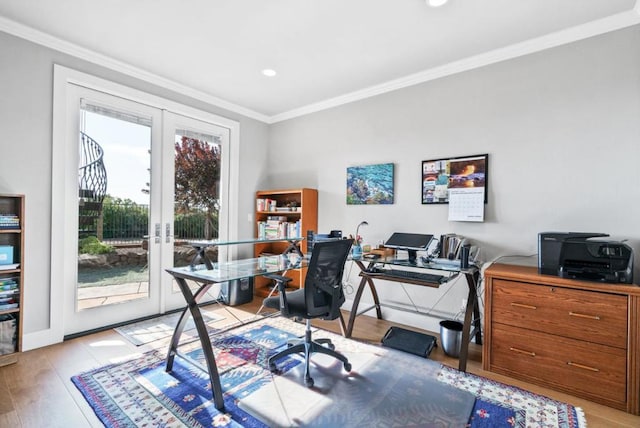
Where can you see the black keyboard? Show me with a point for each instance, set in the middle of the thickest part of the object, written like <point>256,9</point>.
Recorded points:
<point>416,276</point>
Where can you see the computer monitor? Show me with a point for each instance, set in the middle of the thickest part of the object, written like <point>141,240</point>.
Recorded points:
<point>411,242</point>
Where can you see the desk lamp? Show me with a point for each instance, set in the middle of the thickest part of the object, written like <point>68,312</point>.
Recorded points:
<point>362,223</point>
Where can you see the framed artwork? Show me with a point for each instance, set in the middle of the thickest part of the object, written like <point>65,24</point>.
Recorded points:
<point>370,184</point>
<point>439,176</point>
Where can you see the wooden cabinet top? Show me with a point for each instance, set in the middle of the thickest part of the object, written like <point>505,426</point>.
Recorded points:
<point>284,191</point>
<point>530,274</point>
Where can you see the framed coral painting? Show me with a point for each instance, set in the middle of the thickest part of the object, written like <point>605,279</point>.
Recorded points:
<point>370,184</point>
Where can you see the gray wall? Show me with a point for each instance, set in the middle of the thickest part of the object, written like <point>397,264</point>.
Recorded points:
<point>561,128</point>
<point>26,89</point>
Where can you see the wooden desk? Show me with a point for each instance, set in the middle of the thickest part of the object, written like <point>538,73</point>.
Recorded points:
<point>219,272</point>
<point>471,325</point>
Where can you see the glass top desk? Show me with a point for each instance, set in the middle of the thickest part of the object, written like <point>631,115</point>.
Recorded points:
<point>448,272</point>
<point>214,273</point>
<point>201,247</point>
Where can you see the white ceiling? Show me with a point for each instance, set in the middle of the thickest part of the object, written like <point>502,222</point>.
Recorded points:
<point>326,52</point>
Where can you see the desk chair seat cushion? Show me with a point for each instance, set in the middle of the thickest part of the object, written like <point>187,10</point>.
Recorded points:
<point>297,307</point>
<point>295,301</point>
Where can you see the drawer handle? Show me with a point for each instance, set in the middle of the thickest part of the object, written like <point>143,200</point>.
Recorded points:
<point>521,305</point>
<point>521,351</point>
<point>581,366</point>
<point>591,317</point>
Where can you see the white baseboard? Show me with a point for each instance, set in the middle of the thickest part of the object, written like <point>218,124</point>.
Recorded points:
<point>40,339</point>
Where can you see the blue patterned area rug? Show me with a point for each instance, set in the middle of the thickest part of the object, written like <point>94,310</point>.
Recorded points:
<point>500,405</point>
<point>385,388</point>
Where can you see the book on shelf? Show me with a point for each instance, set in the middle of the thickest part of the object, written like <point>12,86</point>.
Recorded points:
<point>276,229</point>
<point>6,255</point>
<point>277,218</point>
<point>7,293</point>
<point>9,221</point>
<point>9,301</point>
<point>4,307</point>
<point>8,283</point>
<point>450,245</point>
<point>265,204</point>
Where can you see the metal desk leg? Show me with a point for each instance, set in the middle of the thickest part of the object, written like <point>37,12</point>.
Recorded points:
<point>294,247</point>
<point>476,310</point>
<point>203,335</point>
<point>201,253</point>
<point>372,288</point>
<point>343,327</point>
<point>356,300</point>
<point>470,310</point>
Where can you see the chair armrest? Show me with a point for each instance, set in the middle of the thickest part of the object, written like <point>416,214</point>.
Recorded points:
<point>279,279</point>
<point>281,283</point>
<point>337,299</point>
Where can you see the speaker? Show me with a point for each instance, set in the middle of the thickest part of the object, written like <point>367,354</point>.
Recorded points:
<point>310,239</point>
<point>464,256</point>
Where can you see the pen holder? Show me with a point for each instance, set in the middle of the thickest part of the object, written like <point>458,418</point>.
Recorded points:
<point>356,251</point>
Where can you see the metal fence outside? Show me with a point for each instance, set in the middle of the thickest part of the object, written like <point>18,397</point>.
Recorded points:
<point>128,223</point>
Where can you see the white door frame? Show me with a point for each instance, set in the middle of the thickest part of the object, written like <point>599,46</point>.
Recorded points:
<point>76,321</point>
<point>60,187</point>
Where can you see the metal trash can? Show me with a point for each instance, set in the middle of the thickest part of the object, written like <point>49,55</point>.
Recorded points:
<point>451,337</point>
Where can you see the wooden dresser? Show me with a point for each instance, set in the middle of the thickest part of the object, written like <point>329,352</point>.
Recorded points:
<point>574,336</point>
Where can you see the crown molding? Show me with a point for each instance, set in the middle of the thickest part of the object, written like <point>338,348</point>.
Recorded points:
<point>41,38</point>
<point>594,28</point>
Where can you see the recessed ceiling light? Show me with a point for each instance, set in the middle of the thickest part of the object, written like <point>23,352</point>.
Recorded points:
<point>436,3</point>
<point>269,72</point>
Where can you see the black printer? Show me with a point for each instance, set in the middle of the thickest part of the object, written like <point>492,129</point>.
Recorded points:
<point>578,256</point>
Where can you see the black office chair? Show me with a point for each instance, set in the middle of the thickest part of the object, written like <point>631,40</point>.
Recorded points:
<point>321,297</point>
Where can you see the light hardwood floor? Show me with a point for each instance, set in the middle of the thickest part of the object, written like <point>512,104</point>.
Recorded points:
<point>37,390</point>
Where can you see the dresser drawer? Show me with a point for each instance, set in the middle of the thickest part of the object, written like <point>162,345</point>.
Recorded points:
<point>586,369</point>
<point>583,315</point>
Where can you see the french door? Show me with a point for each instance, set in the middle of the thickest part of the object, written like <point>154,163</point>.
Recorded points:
<point>195,181</point>
<point>148,181</point>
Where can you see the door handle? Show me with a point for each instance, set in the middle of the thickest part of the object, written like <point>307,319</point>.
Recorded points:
<point>167,233</point>
<point>157,233</point>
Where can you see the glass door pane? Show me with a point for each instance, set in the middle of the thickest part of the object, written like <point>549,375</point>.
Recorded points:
<point>113,209</point>
<point>198,191</point>
<point>113,273</point>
